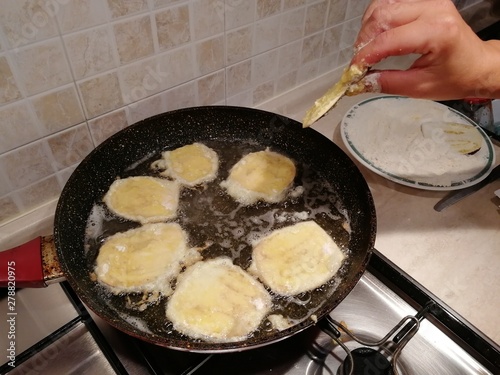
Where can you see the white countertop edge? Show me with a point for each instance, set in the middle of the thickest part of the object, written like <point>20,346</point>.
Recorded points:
<point>38,222</point>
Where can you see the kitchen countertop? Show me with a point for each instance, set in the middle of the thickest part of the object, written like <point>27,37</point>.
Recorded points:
<point>454,253</point>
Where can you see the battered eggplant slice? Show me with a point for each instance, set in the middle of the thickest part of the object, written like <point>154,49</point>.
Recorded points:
<point>217,301</point>
<point>296,259</point>
<point>351,75</point>
<point>190,165</point>
<point>263,175</point>
<point>145,259</point>
<point>462,138</point>
<point>144,199</point>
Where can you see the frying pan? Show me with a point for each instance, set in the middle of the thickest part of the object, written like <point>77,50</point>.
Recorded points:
<point>334,194</point>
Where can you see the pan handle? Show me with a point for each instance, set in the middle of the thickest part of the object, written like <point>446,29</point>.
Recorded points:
<point>33,264</point>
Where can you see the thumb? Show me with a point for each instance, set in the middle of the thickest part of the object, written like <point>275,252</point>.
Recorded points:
<point>412,83</point>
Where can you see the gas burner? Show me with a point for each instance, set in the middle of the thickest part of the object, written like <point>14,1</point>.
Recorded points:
<point>328,357</point>
<point>366,360</point>
<point>349,354</point>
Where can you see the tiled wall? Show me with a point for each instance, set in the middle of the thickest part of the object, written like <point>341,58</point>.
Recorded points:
<point>73,72</point>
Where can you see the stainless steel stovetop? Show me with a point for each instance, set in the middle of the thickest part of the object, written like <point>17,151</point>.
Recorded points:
<point>57,335</point>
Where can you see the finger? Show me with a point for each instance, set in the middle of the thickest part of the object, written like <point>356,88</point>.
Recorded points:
<point>416,83</point>
<point>399,41</point>
<point>393,82</point>
<point>393,14</point>
<point>381,3</point>
<point>369,83</point>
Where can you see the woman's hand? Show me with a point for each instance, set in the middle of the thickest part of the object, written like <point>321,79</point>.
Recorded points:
<point>453,64</point>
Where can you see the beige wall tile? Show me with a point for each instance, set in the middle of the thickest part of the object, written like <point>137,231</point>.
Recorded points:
<point>42,66</point>
<point>238,78</point>
<point>38,193</point>
<point>18,126</point>
<point>58,110</point>
<point>163,3</point>
<point>292,25</point>
<point>207,18</point>
<point>336,12</point>
<point>264,67</point>
<point>181,96</point>
<point>345,55</point>
<point>349,33</point>
<point>142,79</point>
<point>120,8</point>
<point>90,51</point>
<point>239,44</point>
<point>28,21</point>
<point>238,13</point>
<point>5,186</point>
<point>286,82</point>
<point>288,4</point>
<point>101,94</point>
<point>105,126</point>
<point>290,57</point>
<point>327,62</point>
<point>70,146</point>
<point>28,164</point>
<point>356,8</point>
<point>210,55</point>
<point>332,40</point>
<point>8,86</point>
<point>267,34</point>
<point>243,99</point>
<point>8,209</point>
<point>65,174</point>
<point>311,48</point>
<point>221,102</point>
<point>178,65</point>
<point>146,108</point>
<point>134,38</point>
<point>263,92</point>
<point>307,71</point>
<point>79,14</point>
<point>266,8</point>
<point>173,27</point>
<point>211,88</point>
<point>315,17</point>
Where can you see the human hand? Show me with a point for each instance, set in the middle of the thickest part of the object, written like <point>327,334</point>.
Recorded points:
<point>453,62</point>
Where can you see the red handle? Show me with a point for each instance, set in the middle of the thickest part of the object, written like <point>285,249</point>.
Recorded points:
<point>21,267</point>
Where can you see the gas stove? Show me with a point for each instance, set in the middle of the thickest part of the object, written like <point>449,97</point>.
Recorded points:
<point>416,334</point>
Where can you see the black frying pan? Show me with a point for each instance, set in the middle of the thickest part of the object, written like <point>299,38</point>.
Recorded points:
<point>335,193</point>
